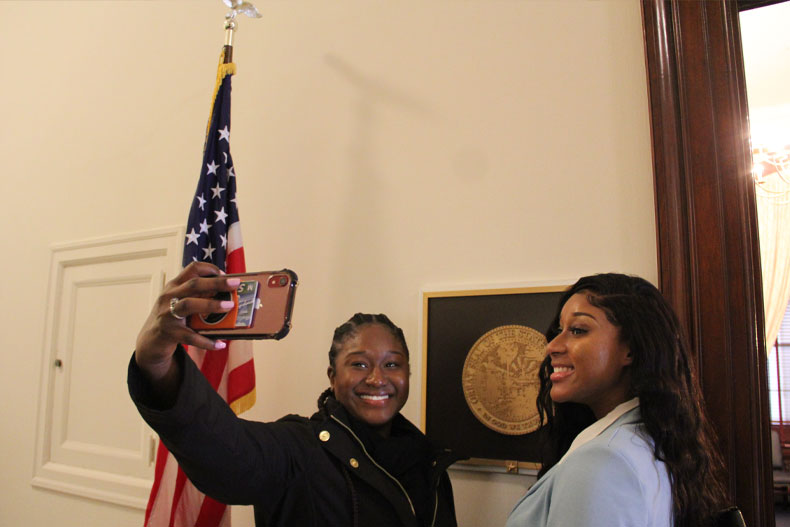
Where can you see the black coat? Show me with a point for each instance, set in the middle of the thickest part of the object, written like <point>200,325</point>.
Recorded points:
<point>294,471</point>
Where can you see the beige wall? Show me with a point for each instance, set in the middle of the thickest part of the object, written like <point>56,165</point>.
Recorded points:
<point>382,147</point>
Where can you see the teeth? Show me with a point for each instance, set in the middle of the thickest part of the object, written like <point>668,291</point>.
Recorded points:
<point>562,369</point>
<point>374,397</point>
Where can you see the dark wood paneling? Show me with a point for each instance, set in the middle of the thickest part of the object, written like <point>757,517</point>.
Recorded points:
<point>707,228</point>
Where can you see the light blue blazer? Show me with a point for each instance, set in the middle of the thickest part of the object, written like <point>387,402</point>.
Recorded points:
<point>611,481</point>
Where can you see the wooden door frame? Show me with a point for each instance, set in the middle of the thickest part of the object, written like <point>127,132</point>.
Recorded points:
<point>708,250</point>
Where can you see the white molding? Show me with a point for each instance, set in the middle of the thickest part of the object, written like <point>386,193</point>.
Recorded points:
<point>103,486</point>
<point>161,233</point>
<point>111,473</point>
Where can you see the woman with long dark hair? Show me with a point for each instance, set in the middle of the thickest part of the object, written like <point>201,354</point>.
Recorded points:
<point>630,443</point>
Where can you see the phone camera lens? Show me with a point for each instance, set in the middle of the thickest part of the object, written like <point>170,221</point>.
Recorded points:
<point>278,281</point>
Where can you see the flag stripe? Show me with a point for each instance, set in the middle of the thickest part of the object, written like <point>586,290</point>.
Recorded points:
<point>211,513</point>
<point>213,366</point>
<point>236,261</point>
<point>161,461</point>
<point>234,239</point>
<point>238,380</point>
<point>160,512</point>
<point>181,480</point>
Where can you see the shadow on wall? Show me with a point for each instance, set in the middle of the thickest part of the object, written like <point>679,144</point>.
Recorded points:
<point>361,255</point>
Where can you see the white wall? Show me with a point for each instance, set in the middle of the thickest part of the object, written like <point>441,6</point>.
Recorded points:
<point>381,147</point>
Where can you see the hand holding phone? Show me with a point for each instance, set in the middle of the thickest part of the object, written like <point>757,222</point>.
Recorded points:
<point>263,304</point>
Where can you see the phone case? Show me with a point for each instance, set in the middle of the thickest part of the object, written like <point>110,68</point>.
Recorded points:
<point>264,305</point>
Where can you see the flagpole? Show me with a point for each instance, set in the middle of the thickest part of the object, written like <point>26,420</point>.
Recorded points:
<point>227,49</point>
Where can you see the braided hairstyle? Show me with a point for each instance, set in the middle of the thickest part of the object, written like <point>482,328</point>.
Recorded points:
<point>663,376</point>
<point>348,330</point>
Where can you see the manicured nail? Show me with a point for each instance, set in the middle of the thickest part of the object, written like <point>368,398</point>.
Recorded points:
<point>219,345</point>
<point>233,282</point>
<point>227,304</point>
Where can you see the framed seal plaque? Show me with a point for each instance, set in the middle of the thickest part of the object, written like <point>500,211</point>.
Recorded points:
<point>482,349</point>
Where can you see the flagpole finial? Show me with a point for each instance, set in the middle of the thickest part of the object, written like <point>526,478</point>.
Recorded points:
<point>236,7</point>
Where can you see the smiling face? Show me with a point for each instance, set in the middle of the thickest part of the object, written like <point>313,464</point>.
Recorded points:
<point>370,377</point>
<point>588,358</point>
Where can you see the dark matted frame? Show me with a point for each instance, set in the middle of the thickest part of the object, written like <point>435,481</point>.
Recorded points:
<point>452,323</point>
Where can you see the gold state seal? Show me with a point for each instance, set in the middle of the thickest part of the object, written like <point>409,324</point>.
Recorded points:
<point>500,378</point>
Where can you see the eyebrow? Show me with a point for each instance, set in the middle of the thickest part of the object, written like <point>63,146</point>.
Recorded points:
<point>362,352</point>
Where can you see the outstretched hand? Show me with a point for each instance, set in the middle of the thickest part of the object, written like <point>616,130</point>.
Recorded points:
<point>191,292</point>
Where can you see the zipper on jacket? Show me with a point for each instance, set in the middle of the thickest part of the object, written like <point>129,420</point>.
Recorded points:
<point>436,495</point>
<point>393,478</point>
<point>435,505</point>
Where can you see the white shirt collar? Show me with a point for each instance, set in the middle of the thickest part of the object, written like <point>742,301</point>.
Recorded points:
<point>595,429</point>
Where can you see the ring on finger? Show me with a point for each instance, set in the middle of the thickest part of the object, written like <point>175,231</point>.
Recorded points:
<point>173,302</point>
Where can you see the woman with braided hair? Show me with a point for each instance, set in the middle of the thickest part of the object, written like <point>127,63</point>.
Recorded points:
<point>630,444</point>
<point>356,462</point>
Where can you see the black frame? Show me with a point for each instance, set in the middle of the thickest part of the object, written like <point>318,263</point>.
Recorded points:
<point>452,323</point>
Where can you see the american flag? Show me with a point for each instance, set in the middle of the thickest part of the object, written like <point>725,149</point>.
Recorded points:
<point>213,235</point>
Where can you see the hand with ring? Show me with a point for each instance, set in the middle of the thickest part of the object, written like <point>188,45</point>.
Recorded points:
<point>191,292</point>
<point>173,302</point>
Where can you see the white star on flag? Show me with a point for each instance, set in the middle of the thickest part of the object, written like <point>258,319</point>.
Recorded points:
<point>221,214</point>
<point>212,168</point>
<point>217,191</point>
<point>208,251</point>
<point>192,237</point>
<point>201,201</point>
<point>224,134</point>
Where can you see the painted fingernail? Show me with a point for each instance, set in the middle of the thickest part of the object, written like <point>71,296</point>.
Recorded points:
<point>233,282</point>
<point>227,304</point>
<point>219,345</point>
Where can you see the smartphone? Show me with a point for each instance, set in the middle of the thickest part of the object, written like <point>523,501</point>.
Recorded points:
<point>263,304</point>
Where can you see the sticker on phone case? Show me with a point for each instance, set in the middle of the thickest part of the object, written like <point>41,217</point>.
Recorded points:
<point>248,296</point>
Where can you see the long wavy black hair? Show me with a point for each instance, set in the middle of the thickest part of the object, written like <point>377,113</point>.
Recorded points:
<point>663,376</point>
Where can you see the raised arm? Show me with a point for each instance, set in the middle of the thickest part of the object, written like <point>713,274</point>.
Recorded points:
<point>190,292</point>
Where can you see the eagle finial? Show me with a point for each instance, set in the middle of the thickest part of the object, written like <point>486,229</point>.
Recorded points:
<point>240,6</point>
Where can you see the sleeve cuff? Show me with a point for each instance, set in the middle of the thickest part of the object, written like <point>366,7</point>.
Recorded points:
<point>142,391</point>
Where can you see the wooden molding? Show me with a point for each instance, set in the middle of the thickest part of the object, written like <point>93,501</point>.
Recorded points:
<point>707,228</point>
